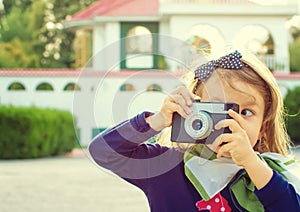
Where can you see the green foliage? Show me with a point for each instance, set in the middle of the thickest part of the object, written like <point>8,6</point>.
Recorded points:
<point>20,38</point>
<point>292,104</point>
<point>37,28</point>
<point>22,4</point>
<point>295,55</point>
<point>295,32</point>
<point>60,55</point>
<point>13,55</point>
<point>33,132</point>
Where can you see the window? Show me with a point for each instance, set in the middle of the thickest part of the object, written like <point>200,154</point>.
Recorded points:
<point>258,40</point>
<point>16,86</point>
<point>72,87</point>
<point>139,45</point>
<point>127,87</point>
<point>154,87</point>
<point>44,87</point>
<point>83,46</point>
<point>201,44</point>
<point>205,38</point>
<point>255,38</point>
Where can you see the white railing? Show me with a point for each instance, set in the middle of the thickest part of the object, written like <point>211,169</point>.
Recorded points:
<point>275,64</point>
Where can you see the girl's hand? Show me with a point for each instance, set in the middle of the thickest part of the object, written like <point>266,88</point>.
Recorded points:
<point>236,144</point>
<point>180,101</point>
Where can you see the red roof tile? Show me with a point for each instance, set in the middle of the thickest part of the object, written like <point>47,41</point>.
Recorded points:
<point>118,8</point>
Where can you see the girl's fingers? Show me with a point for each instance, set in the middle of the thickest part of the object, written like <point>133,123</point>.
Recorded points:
<point>231,123</point>
<point>172,107</point>
<point>237,117</point>
<point>187,95</point>
<point>222,139</point>
<point>235,124</point>
<point>184,98</point>
<point>224,150</point>
<point>179,99</point>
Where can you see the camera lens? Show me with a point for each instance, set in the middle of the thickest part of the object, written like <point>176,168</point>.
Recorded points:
<point>197,124</point>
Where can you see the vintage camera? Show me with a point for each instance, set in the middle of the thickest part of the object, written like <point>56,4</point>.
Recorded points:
<point>199,126</point>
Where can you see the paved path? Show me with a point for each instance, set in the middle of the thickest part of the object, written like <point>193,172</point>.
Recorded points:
<point>65,184</point>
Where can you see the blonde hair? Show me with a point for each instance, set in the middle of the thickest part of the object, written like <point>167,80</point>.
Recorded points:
<point>274,136</point>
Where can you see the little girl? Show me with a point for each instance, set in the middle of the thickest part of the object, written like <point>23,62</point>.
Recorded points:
<point>245,170</point>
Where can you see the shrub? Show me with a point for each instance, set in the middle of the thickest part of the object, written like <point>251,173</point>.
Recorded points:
<point>33,132</point>
<point>292,104</point>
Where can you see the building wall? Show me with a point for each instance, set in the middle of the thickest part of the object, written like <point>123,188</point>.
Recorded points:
<point>177,17</point>
<point>100,103</point>
<point>224,33</point>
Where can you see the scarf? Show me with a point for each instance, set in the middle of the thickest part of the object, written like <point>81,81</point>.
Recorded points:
<point>210,175</point>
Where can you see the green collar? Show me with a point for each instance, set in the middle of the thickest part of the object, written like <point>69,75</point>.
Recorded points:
<point>210,175</point>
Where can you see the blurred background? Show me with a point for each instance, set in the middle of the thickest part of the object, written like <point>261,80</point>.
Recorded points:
<point>79,55</point>
<point>67,66</point>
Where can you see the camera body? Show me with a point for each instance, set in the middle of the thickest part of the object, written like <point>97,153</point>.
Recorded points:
<point>199,126</point>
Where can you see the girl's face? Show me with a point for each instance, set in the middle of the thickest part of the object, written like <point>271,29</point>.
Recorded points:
<point>251,102</point>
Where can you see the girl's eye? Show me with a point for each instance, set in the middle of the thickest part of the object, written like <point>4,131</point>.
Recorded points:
<point>247,112</point>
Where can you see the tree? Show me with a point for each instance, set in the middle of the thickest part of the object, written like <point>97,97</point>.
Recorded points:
<point>21,4</point>
<point>58,41</point>
<point>35,28</point>
<point>20,38</point>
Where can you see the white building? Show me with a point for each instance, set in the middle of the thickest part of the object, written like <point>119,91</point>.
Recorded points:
<point>203,23</point>
<point>132,41</point>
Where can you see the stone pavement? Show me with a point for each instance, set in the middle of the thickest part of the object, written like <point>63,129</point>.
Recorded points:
<point>69,183</point>
<point>65,184</point>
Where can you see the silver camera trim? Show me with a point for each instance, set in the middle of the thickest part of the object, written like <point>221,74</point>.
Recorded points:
<point>207,125</point>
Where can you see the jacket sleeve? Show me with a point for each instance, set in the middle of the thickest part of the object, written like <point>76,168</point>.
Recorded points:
<point>279,195</point>
<point>122,149</point>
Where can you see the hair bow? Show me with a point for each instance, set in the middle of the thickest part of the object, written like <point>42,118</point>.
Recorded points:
<point>230,61</point>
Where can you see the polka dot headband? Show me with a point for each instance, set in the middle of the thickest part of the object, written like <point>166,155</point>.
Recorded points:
<point>230,61</point>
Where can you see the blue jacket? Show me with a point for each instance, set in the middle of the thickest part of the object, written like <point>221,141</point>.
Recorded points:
<point>159,171</point>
